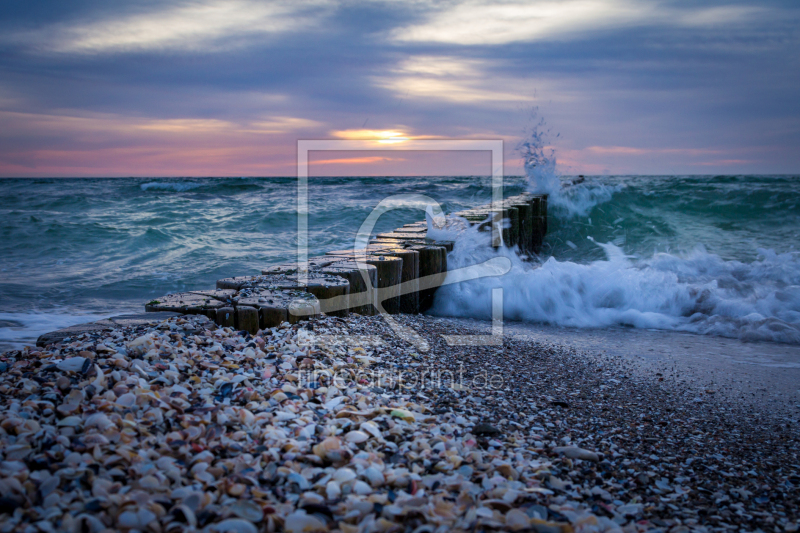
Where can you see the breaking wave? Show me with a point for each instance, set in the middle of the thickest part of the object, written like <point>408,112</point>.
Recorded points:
<point>701,254</point>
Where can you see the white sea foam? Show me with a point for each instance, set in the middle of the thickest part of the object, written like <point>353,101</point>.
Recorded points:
<point>699,293</point>
<point>22,329</point>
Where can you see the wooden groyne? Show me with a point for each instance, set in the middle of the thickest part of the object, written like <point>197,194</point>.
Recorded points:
<point>397,272</point>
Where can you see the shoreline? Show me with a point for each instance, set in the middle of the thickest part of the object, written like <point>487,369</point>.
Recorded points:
<point>761,374</point>
<point>567,442</point>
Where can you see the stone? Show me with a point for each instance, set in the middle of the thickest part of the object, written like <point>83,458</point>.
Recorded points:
<point>485,429</point>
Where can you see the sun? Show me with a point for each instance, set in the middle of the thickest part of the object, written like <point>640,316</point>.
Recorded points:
<point>381,137</point>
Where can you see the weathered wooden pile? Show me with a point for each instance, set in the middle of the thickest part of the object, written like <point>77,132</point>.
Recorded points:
<point>398,272</point>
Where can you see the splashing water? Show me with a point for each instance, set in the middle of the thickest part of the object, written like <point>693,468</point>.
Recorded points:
<point>569,197</point>
<point>540,161</point>
<point>681,253</point>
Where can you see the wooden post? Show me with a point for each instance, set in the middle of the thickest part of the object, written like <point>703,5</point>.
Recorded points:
<point>525,224</point>
<point>247,319</point>
<point>409,302</point>
<point>362,295</point>
<point>226,317</point>
<point>430,264</point>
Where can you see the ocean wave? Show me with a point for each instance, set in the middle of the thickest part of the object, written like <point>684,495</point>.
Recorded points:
<point>176,186</point>
<point>698,293</point>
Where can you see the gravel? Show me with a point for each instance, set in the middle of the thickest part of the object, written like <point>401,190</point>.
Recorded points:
<point>338,424</point>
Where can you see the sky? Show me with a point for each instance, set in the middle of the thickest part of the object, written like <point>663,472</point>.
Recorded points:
<point>227,88</point>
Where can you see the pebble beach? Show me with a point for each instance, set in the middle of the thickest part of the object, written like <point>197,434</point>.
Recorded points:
<point>336,424</point>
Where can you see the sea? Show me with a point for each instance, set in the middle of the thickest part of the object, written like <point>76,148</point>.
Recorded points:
<point>715,256</point>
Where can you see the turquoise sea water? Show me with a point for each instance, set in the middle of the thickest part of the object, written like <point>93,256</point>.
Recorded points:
<point>707,254</point>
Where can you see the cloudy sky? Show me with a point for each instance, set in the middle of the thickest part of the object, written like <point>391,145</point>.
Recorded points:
<point>226,88</point>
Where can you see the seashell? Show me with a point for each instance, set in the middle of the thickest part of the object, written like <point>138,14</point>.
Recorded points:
<point>126,400</point>
<point>183,513</point>
<point>371,428</point>
<point>300,480</point>
<point>330,404</point>
<point>403,414</point>
<point>374,476</point>
<point>88,523</point>
<point>330,449</point>
<point>356,436</point>
<point>73,364</point>
<point>247,417</point>
<point>300,522</point>
<point>138,519</point>
<point>193,501</point>
<point>233,525</point>
<point>344,475</point>
<point>99,420</point>
<point>95,440</point>
<point>150,483</point>
<point>516,519</point>
<point>285,434</point>
<point>332,490</point>
<point>70,421</point>
<point>361,488</point>
<point>247,510</point>
<point>280,396</point>
<point>49,485</point>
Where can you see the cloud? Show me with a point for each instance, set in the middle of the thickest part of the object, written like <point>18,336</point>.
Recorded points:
<point>727,162</point>
<point>629,150</point>
<point>97,144</point>
<point>211,24</point>
<point>120,124</point>
<point>357,160</point>
<point>453,79</point>
<point>482,22</point>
